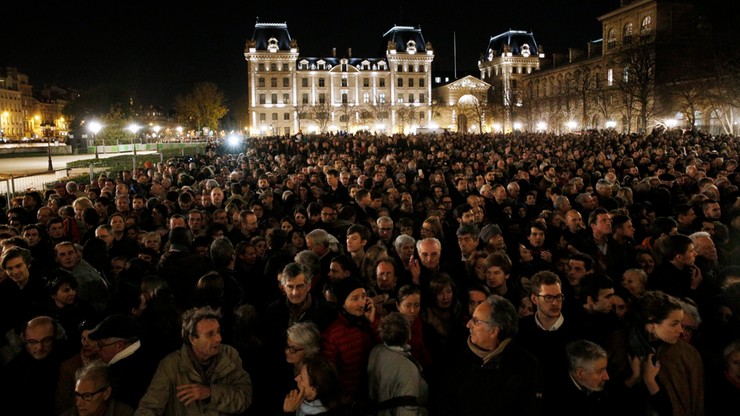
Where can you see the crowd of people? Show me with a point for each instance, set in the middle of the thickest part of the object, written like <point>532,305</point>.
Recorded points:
<point>358,274</point>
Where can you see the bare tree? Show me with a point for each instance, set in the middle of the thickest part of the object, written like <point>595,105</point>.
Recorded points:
<point>637,80</point>
<point>380,110</point>
<point>405,116</point>
<point>474,106</point>
<point>321,113</point>
<point>365,115</point>
<point>583,86</point>
<point>301,111</point>
<point>345,115</point>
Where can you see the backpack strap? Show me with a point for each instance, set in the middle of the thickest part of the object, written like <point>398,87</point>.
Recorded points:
<point>396,402</point>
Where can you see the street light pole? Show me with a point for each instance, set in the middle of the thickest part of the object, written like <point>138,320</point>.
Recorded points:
<point>94,128</point>
<point>48,130</point>
<point>48,142</point>
<point>134,128</point>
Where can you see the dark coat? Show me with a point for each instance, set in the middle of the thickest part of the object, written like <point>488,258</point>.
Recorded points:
<point>509,384</point>
<point>130,377</point>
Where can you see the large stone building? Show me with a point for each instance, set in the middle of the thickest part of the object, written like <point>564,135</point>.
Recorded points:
<point>289,93</point>
<point>649,69</point>
<point>25,114</point>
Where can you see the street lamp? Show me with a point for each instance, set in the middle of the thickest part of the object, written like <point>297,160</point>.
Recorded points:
<point>48,129</point>
<point>94,127</point>
<point>133,128</point>
<point>156,130</point>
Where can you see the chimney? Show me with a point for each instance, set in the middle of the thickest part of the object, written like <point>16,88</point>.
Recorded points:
<point>349,52</point>
<point>334,52</point>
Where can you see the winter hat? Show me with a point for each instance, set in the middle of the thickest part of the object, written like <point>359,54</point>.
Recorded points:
<point>342,288</point>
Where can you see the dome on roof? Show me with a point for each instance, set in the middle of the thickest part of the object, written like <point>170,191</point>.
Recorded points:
<point>271,35</point>
<point>405,39</point>
<point>518,42</point>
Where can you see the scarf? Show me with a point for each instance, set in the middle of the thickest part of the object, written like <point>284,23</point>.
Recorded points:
<point>205,370</point>
<point>352,320</point>
<point>487,355</point>
<point>296,312</point>
<point>314,407</point>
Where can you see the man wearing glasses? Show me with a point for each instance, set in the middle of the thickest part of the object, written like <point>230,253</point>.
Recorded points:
<point>118,337</point>
<point>546,333</point>
<point>493,374</point>
<point>93,392</point>
<point>32,375</point>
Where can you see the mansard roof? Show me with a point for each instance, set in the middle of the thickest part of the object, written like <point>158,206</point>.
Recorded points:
<point>263,32</point>
<point>333,61</point>
<point>401,35</point>
<point>513,41</point>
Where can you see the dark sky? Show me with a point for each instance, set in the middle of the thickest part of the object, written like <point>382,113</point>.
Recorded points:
<point>159,52</point>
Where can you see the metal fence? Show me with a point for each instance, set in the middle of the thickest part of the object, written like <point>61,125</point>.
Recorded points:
<point>15,185</point>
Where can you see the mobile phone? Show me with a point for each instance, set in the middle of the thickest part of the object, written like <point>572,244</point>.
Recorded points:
<point>367,307</point>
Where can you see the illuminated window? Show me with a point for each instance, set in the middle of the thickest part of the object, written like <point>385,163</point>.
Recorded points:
<point>611,38</point>
<point>627,35</point>
<point>610,77</point>
<point>646,26</point>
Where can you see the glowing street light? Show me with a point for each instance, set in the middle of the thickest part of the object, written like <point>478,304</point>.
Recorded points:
<point>133,128</point>
<point>94,127</point>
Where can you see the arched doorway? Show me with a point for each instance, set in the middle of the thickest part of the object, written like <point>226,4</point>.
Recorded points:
<point>462,123</point>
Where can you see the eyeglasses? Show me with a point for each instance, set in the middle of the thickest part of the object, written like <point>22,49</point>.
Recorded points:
<point>477,321</point>
<point>44,341</point>
<point>291,349</point>
<point>298,287</point>
<point>89,396</point>
<point>551,298</point>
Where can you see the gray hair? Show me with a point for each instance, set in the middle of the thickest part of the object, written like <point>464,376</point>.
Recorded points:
<point>310,260</point>
<point>403,240</point>
<point>690,309</point>
<point>384,219</point>
<point>291,270</point>
<point>503,315</point>
<point>319,236</point>
<point>307,335</point>
<point>222,252</point>
<point>191,317</point>
<point>699,234</point>
<point>582,352</point>
<point>97,371</point>
<point>432,239</point>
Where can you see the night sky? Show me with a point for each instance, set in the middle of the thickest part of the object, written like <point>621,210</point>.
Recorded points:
<point>158,53</point>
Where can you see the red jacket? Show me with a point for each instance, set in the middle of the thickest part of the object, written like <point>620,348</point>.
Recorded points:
<point>347,345</point>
